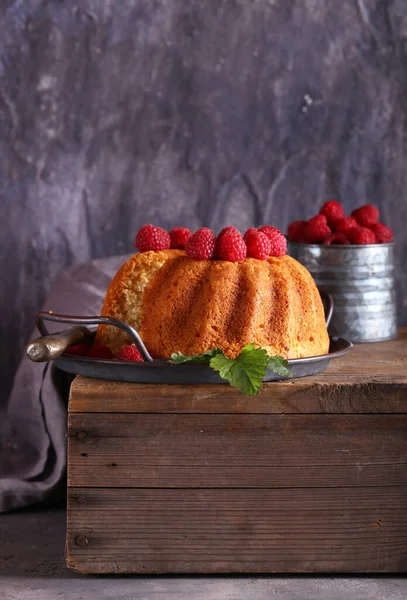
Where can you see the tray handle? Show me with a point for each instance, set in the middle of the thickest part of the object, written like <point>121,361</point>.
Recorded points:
<point>50,347</point>
<point>328,303</point>
<point>58,345</point>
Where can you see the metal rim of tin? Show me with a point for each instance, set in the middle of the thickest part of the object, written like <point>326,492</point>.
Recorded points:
<point>344,246</point>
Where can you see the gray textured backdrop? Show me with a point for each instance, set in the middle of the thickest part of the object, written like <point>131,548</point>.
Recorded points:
<point>188,112</point>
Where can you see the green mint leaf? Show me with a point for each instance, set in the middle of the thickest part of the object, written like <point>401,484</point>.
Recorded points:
<point>245,372</point>
<point>279,365</point>
<point>177,358</point>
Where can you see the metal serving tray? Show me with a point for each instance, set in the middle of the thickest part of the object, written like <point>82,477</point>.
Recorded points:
<point>53,347</point>
<point>159,371</point>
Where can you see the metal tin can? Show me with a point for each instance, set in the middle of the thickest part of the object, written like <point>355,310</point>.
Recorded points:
<point>361,281</point>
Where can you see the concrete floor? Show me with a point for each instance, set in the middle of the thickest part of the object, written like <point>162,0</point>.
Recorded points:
<point>32,568</point>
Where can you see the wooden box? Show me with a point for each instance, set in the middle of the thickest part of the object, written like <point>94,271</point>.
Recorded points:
<point>309,476</point>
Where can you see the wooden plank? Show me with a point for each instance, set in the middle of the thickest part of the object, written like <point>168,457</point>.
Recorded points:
<point>220,531</point>
<point>143,450</point>
<point>371,379</point>
<point>305,396</point>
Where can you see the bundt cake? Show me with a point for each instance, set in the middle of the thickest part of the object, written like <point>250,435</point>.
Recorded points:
<point>179,304</point>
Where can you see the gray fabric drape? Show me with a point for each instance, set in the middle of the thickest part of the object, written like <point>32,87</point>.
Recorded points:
<point>33,430</point>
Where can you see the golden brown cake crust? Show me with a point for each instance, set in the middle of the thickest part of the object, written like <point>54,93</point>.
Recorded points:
<point>192,306</point>
<point>125,294</point>
<point>181,304</point>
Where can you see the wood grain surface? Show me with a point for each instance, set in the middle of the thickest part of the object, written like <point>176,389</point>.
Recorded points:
<point>309,476</point>
<point>261,451</point>
<point>296,530</point>
<point>116,114</point>
<point>372,378</point>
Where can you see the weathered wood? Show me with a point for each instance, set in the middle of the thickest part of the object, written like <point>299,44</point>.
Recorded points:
<point>237,450</point>
<point>300,530</point>
<point>309,476</point>
<point>371,379</point>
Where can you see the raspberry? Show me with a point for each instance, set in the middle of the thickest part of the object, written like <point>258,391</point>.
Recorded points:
<point>333,211</point>
<point>295,231</point>
<point>277,239</point>
<point>100,351</point>
<point>383,234</point>
<point>77,350</point>
<point>201,245</point>
<point>179,237</point>
<point>345,225</point>
<point>130,353</point>
<point>366,215</point>
<point>152,238</point>
<point>249,232</point>
<point>362,235</point>
<point>229,229</point>
<point>316,230</point>
<point>268,230</point>
<point>230,246</point>
<point>258,244</point>
<point>337,238</point>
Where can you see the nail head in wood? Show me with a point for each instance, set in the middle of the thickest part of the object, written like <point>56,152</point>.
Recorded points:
<point>81,541</point>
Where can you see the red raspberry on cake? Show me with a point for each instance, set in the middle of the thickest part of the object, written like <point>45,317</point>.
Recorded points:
<point>337,238</point>
<point>229,229</point>
<point>333,211</point>
<point>258,244</point>
<point>130,353</point>
<point>230,246</point>
<point>249,232</point>
<point>295,231</point>
<point>383,234</point>
<point>277,240</point>
<point>201,244</point>
<point>345,226</point>
<point>100,351</point>
<point>317,230</point>
<point>152,238</point>
<point>179,237</point>
<point>362,235</point>
<point>366,215</point>
<point>268,230</point>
